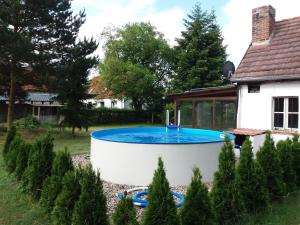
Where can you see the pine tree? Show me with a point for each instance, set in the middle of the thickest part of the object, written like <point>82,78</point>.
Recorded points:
<point>52,185</point>
<point>286,158</point>
<point>12,154</point>
<point>161,208</point>
<point>90,209</point>
<point>125,213</point>
<point>226,201</point>
<point>250,180</point>
<point>65,201</point>
<point>39,165</point>
<point>296,153</point>
<point>268,159</point>
<point>22,160</point>
<point>200,53</point>
<point>10,136</point>
<point>197,209</point>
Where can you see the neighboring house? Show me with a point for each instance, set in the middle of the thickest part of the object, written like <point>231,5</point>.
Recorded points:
<point>103,97</point>
<point>40,105</point>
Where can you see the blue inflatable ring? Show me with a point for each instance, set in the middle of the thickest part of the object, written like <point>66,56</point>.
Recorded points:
<point>143,203</point>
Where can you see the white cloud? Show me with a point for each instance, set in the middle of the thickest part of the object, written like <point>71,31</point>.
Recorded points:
<point>237,32</point>
<point>102,13</point>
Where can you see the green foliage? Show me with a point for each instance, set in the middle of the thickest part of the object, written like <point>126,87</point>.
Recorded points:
<point>27,122</point>
<point>286,158</point>
<point>52,185</point>
<point>197,209</point>
<point>296,153</point>
<point>65,201</point>
<point>226,201</point>
<point>39,165</point>
<point>200,52</point>
<point>22,160</point>
<point>90,209</point>
<point>11,157</point>
<point>137,65</point>
<point>268,159</point>
<point>250,180</point>
<point>10,136</point>
<point>125,213</point>
<point>161,208</point>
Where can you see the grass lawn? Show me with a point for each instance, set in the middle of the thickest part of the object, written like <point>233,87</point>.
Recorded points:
<point>19,209</point>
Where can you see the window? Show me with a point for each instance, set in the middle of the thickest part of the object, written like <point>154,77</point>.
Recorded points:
<point>101,104</point>
<point>254,88</point>
<point>286,112</point>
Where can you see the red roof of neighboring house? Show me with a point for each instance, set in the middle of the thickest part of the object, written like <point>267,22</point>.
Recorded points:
<point>277,59</point>
<point>97,88</point>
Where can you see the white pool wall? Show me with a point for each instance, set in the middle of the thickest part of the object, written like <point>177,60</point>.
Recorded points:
<point>134,164</point>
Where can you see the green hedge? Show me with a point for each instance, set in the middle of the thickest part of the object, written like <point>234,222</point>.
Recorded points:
<point>119,116</point>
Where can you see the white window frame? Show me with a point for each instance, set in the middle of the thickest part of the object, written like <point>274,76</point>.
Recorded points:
<point>285,113</point>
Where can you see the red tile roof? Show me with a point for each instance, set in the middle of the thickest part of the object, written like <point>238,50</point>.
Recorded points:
<point>277,59</point>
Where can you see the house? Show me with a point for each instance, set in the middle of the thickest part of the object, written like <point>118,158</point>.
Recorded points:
<point>265,86</point>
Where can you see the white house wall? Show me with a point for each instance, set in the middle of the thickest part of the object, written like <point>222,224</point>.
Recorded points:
<point>255,109</point>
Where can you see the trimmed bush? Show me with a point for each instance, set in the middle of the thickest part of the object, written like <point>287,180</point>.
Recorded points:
<point>268,159</point>
<point>9,138</point>
<point>39,165</point>
<point>226,202</point>
<point>12,154</point>
<point>65,201</point>
<point>90,209</point>
<point>250,180</point>
<point>52,185</point>
<point>22,160</point>
<point>296,154</point>
<point>125,213</point>
<point>197,209</point>
<point>286,158</point>
<point>161,208</point>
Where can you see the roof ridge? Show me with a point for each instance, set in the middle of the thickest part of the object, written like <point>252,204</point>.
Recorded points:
<point>284,20</point>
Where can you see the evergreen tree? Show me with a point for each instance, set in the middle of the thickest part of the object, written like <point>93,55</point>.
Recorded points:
<point>11,157</point>
<point>65,201</point>
<point>226,201</point>
<point>200,53</point>
<point>22,160</point>
<point>286,158</point>
<point>10,136</point>
<point>250,180</point>
<point>52,185</point>
<point>268,159</point>
<point>125,213</point>
<point>90,209</point>
<point>39,165</point>
<point>197,209</point>
<point>161,208</point>
<point>296,153</point>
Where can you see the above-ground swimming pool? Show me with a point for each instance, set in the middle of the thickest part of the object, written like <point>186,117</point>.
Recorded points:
<point>129,155</point>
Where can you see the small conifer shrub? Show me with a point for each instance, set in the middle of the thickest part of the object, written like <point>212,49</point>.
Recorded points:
<point>269,161</point>
<point>12,154</point>
<point>226,202</point>
<point>90,208</point>
<point>296,154</point>
<point>161,208</point>
<point>197,209</point>
<point>286,158</point>
<point>65,201</point>
<point>9,138</point>
<point>22,160</point>
<point>52,185</point>
<point>250,180</point>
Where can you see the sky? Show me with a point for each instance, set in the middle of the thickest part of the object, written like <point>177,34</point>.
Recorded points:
<point>233,16</point>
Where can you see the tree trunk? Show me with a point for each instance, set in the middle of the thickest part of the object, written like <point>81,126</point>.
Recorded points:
<point>73,131</point>
<point>11,100</point>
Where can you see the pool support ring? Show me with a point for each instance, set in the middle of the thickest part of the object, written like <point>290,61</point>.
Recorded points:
<point>143,203</point>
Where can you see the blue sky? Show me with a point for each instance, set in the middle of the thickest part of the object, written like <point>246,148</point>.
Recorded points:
<point>233,16</point>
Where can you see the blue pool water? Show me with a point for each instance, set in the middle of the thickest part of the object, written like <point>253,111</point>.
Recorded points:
<point>159,135</point>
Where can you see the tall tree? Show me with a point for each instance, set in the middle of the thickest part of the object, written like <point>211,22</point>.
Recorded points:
<point>137,65</point>
<point>34,35</point>
<point>200,52</point>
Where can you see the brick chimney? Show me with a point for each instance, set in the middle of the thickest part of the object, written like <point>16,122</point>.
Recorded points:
<point>263,22</point>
